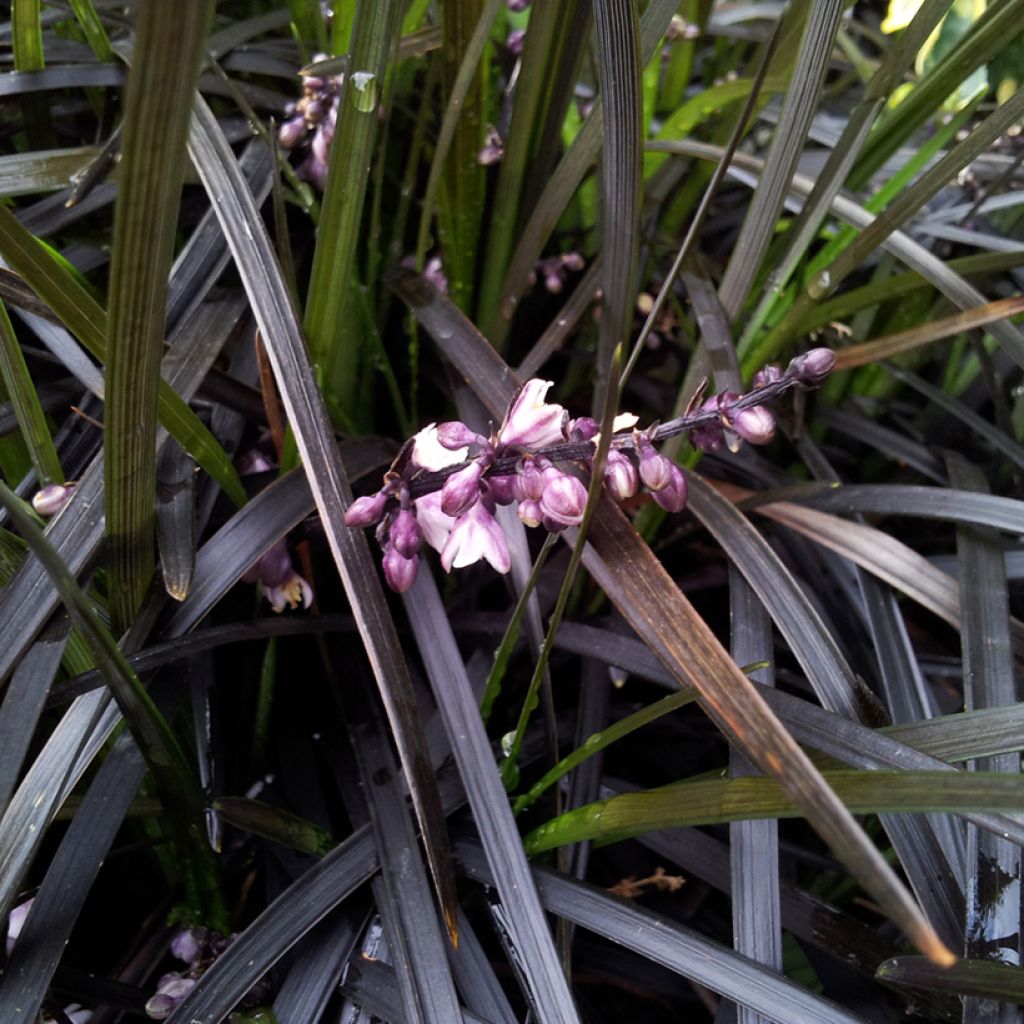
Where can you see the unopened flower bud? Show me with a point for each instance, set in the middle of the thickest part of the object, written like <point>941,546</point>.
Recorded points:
<point>406,536</point>
<point>292,132</point>
<point>49,500</point>
<point>767,375</point>
<point>461,489</point>
<point>584,428</point>
<point>455,435</point>
<point>187,944</point>
<point>514,42</point>
<point>620,476</point>
<point>754,424</point>
<point>672,497</point>
<point>564,498</point>
<point>530,512</point>
<point>812,367</point>
<point>399,571</point>
<point>655,469</point>
<point>502,488</point>
<point>531,480</point>
<point>572,261</point>
<point>708,437</point>
<point>367,510</point>
<point>517,5</point>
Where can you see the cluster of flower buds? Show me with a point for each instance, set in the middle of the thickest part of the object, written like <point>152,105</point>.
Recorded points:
<point>445,484</point>
<point>314,114</point>
<point>555,270</point>
<point>277,579</point>
<point>198,948</point>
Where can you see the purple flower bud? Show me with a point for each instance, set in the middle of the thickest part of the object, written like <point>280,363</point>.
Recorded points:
<point>620,476</point>
<point>754,424</point>
<point>49,500</point>
<point>767,375</point>
<point>399,571</point>
<point>160,1006</point>
<point>176,988</point>
<point>187,945</point>
<point>708,437</point>
<point>514,42</point>
<point>366,511</point>
<point>530,512</point>
<point>553,282</point>
<point>461,489</point>
<point>433,271</point>
<point>672,497</point>
<point>531,480</point>
<point>532,422</point>
<point>406,536</point>
<point>584,428</point>
<point>517,5</point>
<point>320,147</point>
<point>655,469</point>
<point>455,435</point>
<point>812,367</point>
<point>476,535</point>
<point>572,261</point>
<point>502,488</point>
<point>292,132</point>
<point>564,498</point>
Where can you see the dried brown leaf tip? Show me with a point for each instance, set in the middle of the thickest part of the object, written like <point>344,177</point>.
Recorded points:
<point>632,887</point>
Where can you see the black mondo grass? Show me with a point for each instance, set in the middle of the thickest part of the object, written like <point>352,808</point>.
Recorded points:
<point>511,511</point>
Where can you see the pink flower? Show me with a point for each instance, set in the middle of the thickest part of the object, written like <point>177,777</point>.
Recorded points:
<point>475,535</point>
<point>436,526</point>
<point>531,422</point>
<point>564,498</point>
<point>428,452</point>
<point>461,489</point>
<point>399,571</point>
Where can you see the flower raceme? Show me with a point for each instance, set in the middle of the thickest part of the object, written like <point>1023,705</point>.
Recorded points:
<point>447,481</point>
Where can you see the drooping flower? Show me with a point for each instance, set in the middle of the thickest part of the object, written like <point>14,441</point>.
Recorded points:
<point>187,944</point>
<point>428,453</point>
<point>462,489</point>
<point>620,475</point>
<point>476,535</point>
<point>672,497</point>
<point>564,498</point>
<point>280,583</point>
<point>16,921</point>
<point>436,526</point>
<point>399,571</point>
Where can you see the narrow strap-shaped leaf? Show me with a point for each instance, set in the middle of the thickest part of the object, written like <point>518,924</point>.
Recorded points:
<point>335,349</point>
<point>328,480</point>
<point>27,408</point>
<point>993,864</point>
<point>753,845</point>
<point>787,143</point>
<point>169,42</point>
<point>680,949</point>
<point>627,570</point>
<point>980,978</point>
<point>86,319</point>
<point>550,996</point>
<point>712,801</point>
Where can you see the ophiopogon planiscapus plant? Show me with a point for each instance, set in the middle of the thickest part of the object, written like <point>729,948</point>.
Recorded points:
<point>443,487</point>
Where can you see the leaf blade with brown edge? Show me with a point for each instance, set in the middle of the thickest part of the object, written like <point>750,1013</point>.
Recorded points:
<point>638,584</point>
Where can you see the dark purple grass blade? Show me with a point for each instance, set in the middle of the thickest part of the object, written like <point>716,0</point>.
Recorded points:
<point>548,992</point>
<point>416,940</point>
<point>993,921</point>
<point>810,640</point>
<point>753,845</point>
<point>23,702</point>
<point>319,961</point>
<point>279,326</point>
<point>678,948</point>
<point>69,881</point>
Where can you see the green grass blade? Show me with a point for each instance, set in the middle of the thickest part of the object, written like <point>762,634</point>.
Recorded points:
<point>27,35</point>
<point>986,980</point>
<point>714,801</point>
<point>87,320</point>
<point>465,29</point>
<point>25,401</point>
<point>331,313</point>
<point>787,144</point>
<point>93,30</point>
<point>165,64</point>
